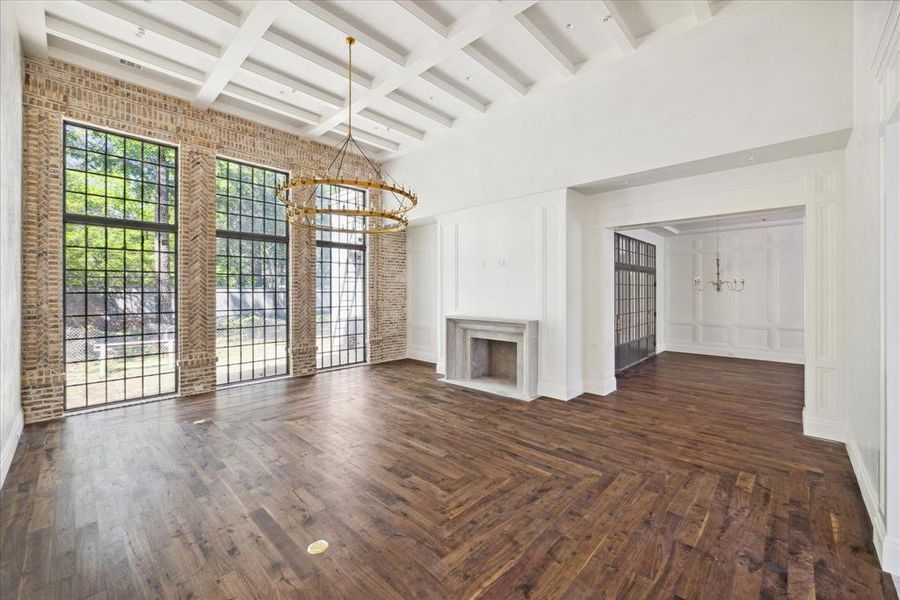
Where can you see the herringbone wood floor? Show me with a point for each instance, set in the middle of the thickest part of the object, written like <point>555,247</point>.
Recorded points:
<point>692,481</point>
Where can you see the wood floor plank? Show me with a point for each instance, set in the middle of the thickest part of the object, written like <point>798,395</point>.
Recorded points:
<point>675,486</point>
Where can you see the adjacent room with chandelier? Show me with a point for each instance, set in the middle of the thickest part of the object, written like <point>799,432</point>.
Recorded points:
<point>449,299</point>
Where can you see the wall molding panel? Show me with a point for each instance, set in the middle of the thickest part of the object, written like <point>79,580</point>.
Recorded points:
<point>747,324</point>
<point>510,261</point>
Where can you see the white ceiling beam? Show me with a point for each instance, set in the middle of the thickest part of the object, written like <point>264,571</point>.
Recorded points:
<point>31,19</point>
<point>137,77</point>
<point>470,27</point>
<point>226,104</point>
<point>370,139</point>
<point>495,69</point>
<point>265,73</point>
<point>420,11</point>
<point>107,45</point>
<point>123,13</point>
<point>254,24</point>
<point>59,28</point>
<point>421,108</point>
<point>363,37</point>
<point>616,25</point>
<point>316,58</point>
<point>218,10</point>
<point>285,108</point>
<point>560,61</point>
<point>455,90</point>
<point>703,10</point>
<point>392,124</point>
<point>221,12</point>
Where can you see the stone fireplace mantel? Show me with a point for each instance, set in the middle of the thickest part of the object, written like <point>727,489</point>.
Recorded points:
<point>493,354</point>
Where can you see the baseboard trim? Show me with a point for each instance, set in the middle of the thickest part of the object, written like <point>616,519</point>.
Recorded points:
<point>600,387</point>
<point>557,391</point>
<point>9,448</point>
<point>423,354</point>
<point>890,556</point>
<point>729,352</point>
<point>870,498</point>
<point>823,428</point>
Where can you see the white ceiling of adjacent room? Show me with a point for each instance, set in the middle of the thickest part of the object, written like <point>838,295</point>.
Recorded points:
<point>748,220</point>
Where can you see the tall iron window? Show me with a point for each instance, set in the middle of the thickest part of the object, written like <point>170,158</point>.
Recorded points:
<point>635,300</point>
<point>340,282</point>
<point>251,273</point>
<point>119,271</point>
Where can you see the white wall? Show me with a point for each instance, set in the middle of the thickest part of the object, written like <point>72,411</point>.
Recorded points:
<point>764,73</point>
<point>10,235</point>
<point>764,321</point>
<point>517,259</point>
<point>422,283</point>
<point>871,403</point>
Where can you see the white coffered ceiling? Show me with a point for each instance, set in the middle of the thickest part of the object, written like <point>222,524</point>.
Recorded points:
<point>420,67</point>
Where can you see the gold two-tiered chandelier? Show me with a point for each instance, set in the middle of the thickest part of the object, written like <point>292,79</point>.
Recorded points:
<point>386,203</point>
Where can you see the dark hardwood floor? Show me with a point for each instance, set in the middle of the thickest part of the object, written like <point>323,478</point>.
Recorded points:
<point>692,481</point>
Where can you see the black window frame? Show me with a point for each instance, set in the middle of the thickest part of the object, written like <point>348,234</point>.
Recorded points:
<point>245,236</point>
<point>85,220</point>
<point>341,241</point>
<point>635,327</point>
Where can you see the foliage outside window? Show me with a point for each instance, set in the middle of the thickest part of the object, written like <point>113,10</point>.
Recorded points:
<point>251,273</point>
<point>119,267</point>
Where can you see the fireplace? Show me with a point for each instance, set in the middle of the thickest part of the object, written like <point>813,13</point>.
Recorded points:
<point>494,360</point>
<point>493,355</point>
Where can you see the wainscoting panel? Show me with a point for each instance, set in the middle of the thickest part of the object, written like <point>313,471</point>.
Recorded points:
<point>765,320</point>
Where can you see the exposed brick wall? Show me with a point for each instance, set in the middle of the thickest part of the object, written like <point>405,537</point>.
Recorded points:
<point>55,91</point>
<point>197,271</point>
<point>387,297</point>
<point>303,294</point>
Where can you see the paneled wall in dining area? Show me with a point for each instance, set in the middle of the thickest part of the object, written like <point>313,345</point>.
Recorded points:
<point>764,321</point>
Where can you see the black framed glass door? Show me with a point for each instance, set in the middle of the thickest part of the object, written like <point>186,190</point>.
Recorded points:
<point>635,301</point>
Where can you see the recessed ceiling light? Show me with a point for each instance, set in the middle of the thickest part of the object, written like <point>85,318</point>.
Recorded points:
<point>751,158</point>
<point>570,25</point>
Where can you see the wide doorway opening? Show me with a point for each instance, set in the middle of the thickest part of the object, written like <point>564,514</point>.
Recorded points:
<point>729,286</point>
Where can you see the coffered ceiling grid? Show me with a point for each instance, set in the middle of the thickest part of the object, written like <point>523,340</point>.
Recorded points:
<point>421,68</point>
